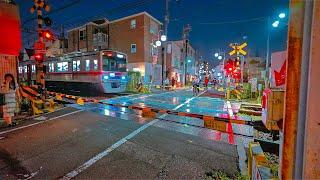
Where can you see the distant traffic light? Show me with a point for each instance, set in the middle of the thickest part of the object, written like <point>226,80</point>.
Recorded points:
<point>39,57</point>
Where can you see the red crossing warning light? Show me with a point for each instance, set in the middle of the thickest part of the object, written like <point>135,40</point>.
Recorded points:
<point>39,57</point>
<point>46,34</point>
<point>229,66</point>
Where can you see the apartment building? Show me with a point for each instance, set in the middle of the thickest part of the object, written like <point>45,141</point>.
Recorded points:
<point>177,61</point>
<point>133,35</point>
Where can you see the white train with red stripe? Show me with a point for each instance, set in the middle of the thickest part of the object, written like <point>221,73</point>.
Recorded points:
<point>83,72</point>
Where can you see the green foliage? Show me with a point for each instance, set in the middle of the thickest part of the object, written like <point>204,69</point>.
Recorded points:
<point>133,80</point>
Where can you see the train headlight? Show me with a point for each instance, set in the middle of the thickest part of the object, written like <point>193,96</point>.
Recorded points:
<point>105,77</point>
<point>123,78</point>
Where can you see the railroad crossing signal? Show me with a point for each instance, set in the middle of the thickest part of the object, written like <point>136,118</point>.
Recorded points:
<point>238,49</point>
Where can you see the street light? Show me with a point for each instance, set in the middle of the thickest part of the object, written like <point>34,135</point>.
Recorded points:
<point>163,38</point>
<point>216,54</point>
<point>282,15</point>
<point>158,43</point>
<point>219,57</point>
<point>275,24</point>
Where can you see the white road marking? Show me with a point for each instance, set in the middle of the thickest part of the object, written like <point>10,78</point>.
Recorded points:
<point>30,125</point>
<point>104,153</point>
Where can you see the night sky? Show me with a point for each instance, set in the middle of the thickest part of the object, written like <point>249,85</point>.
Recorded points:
<point>215,23</point>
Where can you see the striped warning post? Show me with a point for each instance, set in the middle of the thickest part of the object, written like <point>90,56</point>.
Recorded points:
<point>258,167</point>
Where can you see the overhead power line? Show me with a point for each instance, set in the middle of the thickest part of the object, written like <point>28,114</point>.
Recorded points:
<point>104,13</point>
<point>233,22</point>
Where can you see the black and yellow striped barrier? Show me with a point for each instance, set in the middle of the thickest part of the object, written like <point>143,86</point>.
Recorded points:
<point>210,122</point>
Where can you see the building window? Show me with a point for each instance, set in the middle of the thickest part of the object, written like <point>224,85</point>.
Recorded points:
<point>153,28</point>
<point>133,24</point>
<point>62,66</point>
<point>95,64</point>
<point>87,65</point>
<point>76,65</point>
<point>33,68</point>
<point>82,34</point>
<point>133,48</point>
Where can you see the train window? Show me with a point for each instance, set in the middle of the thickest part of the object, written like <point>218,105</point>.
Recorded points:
<point>95,64</point>
<point>20,70</point>
<point>87,65</point>
<point>62,66</point>
<point>114,63</point>
<point>33,68</point>
<point>25,69</point>
<point>51,67</point>
<point>76,65</point>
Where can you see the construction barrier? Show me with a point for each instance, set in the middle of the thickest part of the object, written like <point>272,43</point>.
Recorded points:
<point>258,167</point>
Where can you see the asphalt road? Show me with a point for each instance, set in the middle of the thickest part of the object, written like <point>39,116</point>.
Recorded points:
<point>96,141</point>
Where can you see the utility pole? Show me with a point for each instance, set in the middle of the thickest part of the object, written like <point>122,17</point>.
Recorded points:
<point>164,48</point>
<point>185,36</point>
<point>268,54</point>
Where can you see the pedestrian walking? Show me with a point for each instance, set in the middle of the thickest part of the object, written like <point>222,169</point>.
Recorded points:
<point>173,82</point>
<point>195,85</point>
<point>206,82</point>
<point>9,88</point>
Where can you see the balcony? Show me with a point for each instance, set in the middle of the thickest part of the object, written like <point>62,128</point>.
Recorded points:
<point>100,41</point>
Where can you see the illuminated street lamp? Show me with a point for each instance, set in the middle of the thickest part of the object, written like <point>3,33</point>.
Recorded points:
<point>163,38</point>
<point>216,54</point>
<point>275,24</point>
<point>282,15</point>
<point>158,43</point>
<point>219,57</point>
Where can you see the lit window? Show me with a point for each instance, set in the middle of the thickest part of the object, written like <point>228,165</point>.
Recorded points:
<point>133,48</point>
<point>25,69</point>
<point>51,67</point>
<point>133,24</point>
<point>33,68</point>
<point>95,64</point>
<point>76,65</point>
<point>62,66</point>
<point>20,70</point>
<point>87,65</point>
<point>82,34</point>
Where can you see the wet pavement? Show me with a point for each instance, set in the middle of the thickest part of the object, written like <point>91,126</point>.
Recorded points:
<point>103,141</point>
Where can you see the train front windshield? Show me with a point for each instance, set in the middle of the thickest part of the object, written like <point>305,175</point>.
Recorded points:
<point>114,62</point>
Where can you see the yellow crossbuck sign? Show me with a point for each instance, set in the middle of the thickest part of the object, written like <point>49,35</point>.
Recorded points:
<point>238,49</point>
